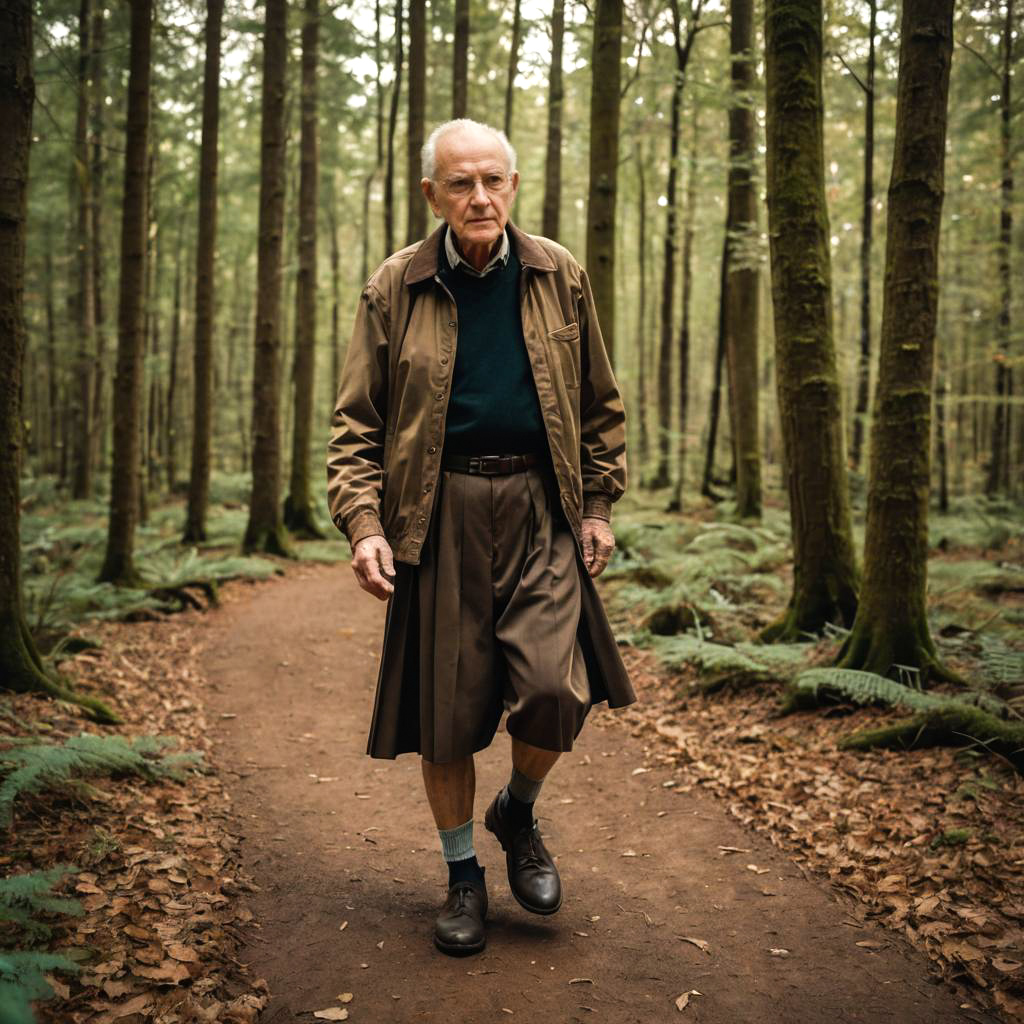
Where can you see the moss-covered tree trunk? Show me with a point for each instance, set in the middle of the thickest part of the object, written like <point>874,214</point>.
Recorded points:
<point>891,625</point>
<point>513,64</point>
<point>125,483</point>
<point>389,171</point>
<point>825,574</point>
<point>298,506</point>
<point>416,222</point>
<point>553,158</point>
<point>265,530</point>
<point>744,273</point>
<point>202,353</point>
<point>21,668</point>
<point>606,75</point>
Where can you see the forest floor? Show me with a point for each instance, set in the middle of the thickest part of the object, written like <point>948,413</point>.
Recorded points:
<point>720,863</point>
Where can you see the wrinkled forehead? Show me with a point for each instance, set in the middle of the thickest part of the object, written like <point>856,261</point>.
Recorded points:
<point>469,152</point>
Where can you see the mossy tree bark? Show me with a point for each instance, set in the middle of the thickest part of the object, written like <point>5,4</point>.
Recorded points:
<point>416,223</point>
<point>460,61</point>
<point>265,530</point>
<point>825,574</point>
<point>21,667</point>
<point>553,158</point>
<point>125,483</point>
<point>742,258</point>
<point>891,627</point>
<point>606,76</point>
<point>202,354</point>
<point>298,505</point>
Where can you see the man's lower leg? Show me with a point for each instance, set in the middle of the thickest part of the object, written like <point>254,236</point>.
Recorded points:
<point>530,766</point>
<point>450,791</point>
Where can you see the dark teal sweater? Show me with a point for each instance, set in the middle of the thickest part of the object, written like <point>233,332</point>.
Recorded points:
<point>493,409</point>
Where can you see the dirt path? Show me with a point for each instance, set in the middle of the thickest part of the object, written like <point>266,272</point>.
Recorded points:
<point>334,836</point>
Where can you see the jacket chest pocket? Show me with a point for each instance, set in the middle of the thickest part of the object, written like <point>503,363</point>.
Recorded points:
<point>566,344</point>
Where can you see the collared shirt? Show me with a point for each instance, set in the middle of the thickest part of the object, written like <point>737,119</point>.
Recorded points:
<point>455,260</point>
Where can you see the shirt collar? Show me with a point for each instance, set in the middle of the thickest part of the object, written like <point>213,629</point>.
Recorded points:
<point>456,260</point>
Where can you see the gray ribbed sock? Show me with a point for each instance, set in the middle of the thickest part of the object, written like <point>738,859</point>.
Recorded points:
<point>522,788</point>
<point>457,843</point>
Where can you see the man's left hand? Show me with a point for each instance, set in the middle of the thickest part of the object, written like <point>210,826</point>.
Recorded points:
<point>598,544</point>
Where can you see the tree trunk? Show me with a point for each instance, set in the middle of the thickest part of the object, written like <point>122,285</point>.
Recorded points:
<point>206,246</point>
<point>553,158</point>
<point>825,573</point>
<point>998,480</point>
<point>513,64</point>
<point>460,60</point>
<point>708,481</point>
<point>85,319</point>
<point>604,163</point>
<point>118,563</point>
<point>298,506</point>
<point>860,413</point>
<point>170,425</point>
<point>265,530</point>
<point>417,219</point>
<point>52,369</point>
<point>891,626</point>
<point>689,220</point>
<point>389,174</point>
<point>743,269</point>
<point>642,386</point>
<point>99,106</point>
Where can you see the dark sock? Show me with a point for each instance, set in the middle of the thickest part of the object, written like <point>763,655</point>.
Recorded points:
<point>520,813</point>
<point>467,870</point>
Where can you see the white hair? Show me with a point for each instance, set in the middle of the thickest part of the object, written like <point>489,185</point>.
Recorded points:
<point>428,155</point>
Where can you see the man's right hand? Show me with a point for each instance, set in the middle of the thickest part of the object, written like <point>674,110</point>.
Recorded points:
<point>373,563</point>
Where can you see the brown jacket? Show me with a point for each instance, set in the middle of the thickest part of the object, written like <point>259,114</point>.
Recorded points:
<point>387,431</point>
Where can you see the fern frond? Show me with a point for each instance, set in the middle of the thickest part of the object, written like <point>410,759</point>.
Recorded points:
<point>22,897</point>
<point>31,766</point>
<point>23,979</point>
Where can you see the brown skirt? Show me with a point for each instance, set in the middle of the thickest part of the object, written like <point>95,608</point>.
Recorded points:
<point>500,614</point>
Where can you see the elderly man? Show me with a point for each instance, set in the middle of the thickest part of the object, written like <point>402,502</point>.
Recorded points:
<point>478,443</point>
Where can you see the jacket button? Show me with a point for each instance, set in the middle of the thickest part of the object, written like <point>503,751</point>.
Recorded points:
<point>426,488</point>
<point>421,519</point>
<point>444,360</point>
<point>432,449</point>
<point>439,395</point>
<point>451,323</point>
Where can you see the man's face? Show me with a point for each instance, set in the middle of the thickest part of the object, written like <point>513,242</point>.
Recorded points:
<point>472,190</point>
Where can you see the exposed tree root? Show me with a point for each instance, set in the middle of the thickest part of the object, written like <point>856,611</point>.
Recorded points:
<point>952,725</point>
<point>269,541</point>
<point>300,521</point>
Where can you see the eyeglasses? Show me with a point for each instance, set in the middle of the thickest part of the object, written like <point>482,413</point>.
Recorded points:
<point>463,186</point>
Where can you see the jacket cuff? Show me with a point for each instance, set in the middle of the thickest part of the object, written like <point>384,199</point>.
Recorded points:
<point>363,523</point>
<point>597,506</point>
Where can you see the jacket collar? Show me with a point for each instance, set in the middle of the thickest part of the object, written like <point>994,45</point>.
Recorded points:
<point>423,264</point>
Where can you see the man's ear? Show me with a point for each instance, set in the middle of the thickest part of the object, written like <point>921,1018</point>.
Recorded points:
<point>427,187</point>
<point>514,178</point>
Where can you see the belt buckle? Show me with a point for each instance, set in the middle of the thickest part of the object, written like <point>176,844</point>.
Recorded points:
<point>489,465</point>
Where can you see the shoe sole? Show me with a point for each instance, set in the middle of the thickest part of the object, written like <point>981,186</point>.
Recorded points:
<point>490,825</point>
<point>459,950</point>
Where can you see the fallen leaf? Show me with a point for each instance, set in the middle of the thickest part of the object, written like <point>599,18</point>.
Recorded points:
<point>757,870</point>
<point>1006,966</point>
<point>684,1000</point>
<point>629,853</point>
<point>733,849</point>
<point>581,981</point>
<point>701,944</point>
<point>640,771</point>
<point>332,1013</point>
<point>778,951</point>
<point>582,935</point>
<point>380,945</point>
<point>344,925</point>
<point>872,944</point>
<point>345,997</point>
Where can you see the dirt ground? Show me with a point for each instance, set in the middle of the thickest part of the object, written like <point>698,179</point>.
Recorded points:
<point>348,861</point>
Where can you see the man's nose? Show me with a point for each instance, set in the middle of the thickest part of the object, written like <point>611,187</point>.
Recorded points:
<point>479,195</point>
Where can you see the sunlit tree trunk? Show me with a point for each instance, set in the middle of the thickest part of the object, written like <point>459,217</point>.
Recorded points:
<point>891,626</point>
<point>170,430</point>
<point>460,61</point>
<point>206,245</point>
<point>824,571</point>
<point>417,219</point>
<point>100,403</point>
<point>265,530</point>
<point>606,74</point>
<point>860,413</point>
<point>708,481</point>
<point>298,506</point>
<point>125,475</point>
<point>389,173</point>
<point>553,157</point>
<point>513,65</point>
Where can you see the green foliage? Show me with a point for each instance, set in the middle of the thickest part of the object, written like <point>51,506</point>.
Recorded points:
<point>24,897</point>
<point>721,664</point>
<point>22,972</point>
<point>976,522</point>
<point>30,766</point>
<point>817,686</point>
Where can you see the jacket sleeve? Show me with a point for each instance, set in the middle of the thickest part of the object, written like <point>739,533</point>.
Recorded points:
<point>602,416</point>
<point>355,451</point>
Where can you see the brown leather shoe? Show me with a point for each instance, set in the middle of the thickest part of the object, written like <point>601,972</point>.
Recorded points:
<point>459,929</point>
<point>532,875</point>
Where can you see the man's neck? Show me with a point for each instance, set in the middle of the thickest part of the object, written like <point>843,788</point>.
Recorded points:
<point>477,256</point>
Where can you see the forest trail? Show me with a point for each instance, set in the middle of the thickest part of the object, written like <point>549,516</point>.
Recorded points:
<point>294,662</point>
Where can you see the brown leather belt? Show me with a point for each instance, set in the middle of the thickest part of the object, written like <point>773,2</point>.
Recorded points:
<point>489,465</point>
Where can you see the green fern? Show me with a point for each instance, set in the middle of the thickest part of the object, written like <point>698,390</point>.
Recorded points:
<point>32,766</point>
<point>722,663</point>
<point>23,897</point>
<point>23,980</point>
<point>821,685</point>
